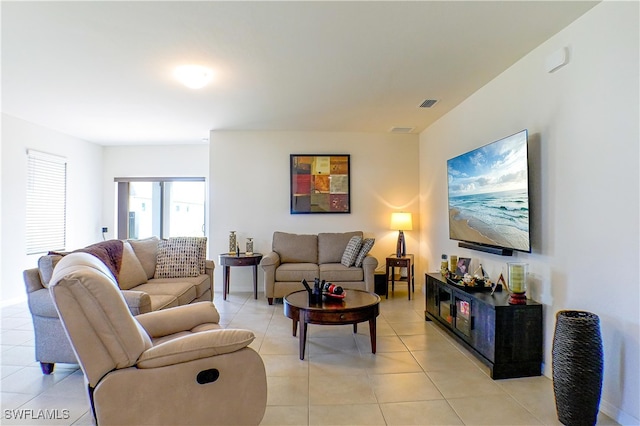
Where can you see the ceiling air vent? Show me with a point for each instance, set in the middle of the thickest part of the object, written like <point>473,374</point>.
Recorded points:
<point>428,103</point>
<point>402,129</point>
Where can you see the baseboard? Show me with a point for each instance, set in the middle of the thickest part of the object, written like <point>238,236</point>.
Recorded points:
<point>617,414</point>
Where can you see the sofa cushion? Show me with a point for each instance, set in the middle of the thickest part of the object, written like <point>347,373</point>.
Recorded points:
<point>201,282</point>
<point>184,292</point>
<point>131,271</point>
<point>297,272</point>
<point>351,251</point>
<point>337,272</point>
<point>331,245</point>
<point>181,257</point>
<point>294,248</point>
<point>46,264</point>
<point>367,244</point>
<point>147,252</point>
<point>162,301</point>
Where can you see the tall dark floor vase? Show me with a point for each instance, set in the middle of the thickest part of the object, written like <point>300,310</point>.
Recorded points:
<point>577,367</point>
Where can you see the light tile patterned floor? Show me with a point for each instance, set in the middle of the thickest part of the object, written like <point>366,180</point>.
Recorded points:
<point>419,375</point>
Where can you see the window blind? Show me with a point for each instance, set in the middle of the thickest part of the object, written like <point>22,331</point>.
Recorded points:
<point>46,202</point>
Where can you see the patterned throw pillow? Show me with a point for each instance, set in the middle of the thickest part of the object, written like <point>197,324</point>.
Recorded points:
<point>351,251</point>
<point>180,257</point>
<point>367,244</point>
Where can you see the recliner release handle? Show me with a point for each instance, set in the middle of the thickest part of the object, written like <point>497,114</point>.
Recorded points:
<point>208,376</point>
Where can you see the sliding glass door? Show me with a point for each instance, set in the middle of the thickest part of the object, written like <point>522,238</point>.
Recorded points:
<point>164,207</point>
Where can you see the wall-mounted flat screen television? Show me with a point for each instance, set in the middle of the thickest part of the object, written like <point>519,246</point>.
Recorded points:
<point>489,196</point>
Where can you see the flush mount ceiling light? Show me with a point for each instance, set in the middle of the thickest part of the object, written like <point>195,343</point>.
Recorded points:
<point>194,76</point>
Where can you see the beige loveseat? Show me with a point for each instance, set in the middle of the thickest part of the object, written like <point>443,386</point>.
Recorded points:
<point>136,277</point>
<point>296,257</point>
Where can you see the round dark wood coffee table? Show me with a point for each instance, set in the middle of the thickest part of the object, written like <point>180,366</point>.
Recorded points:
<point>357,306</point>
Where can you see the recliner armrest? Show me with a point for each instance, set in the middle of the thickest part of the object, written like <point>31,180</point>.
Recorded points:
<point>181,318</point>
<point>204,344</point>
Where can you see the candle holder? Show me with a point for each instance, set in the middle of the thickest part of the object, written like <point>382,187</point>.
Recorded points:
<point>232,242</point>
<point>249,249</point>
<point>517,283</point>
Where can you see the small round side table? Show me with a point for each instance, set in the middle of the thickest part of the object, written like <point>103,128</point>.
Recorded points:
<point>228,260</point>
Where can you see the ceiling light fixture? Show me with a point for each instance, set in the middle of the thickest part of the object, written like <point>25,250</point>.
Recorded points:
<point>194,76</point>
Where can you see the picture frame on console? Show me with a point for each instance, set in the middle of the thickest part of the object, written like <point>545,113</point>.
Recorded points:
<point>463,266</point>
<point>320,183</point>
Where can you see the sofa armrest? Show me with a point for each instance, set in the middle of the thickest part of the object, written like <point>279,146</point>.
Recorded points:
<point>369,265</point>
<point>210,266</point>
<point>269,263</point>
<point>200,345</point>
<point>32,280</point>
<point>181,318</point>
<point>138,302</point>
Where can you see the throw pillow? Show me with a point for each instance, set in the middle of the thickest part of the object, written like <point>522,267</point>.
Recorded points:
<point>131,271</point>
<point>146,251</point>
<point>351,251</point>
<point>367,244</point>
<point>180,257</point>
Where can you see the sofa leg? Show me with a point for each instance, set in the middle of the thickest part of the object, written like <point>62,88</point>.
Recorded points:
<point>270,300</point>
<point>47,367</point>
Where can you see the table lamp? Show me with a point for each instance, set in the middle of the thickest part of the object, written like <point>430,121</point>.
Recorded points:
<point>402,222</point>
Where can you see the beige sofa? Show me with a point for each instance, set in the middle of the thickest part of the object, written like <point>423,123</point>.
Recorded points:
<point>176,366</point>
<point>136,279</point>
<point>296,257</point>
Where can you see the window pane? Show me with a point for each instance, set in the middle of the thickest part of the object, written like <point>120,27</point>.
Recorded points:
<point>144,209</point>
<point>184,209</point>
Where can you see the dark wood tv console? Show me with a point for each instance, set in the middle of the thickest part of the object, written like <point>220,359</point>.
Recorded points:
<point>507,338</point>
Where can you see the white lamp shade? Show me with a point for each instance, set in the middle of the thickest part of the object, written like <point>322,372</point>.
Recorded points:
<point>401,221</point>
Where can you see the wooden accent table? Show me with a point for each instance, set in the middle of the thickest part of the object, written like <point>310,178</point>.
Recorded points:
<point>357,306</point>
<point>227,260</point>
<point>393,262</point>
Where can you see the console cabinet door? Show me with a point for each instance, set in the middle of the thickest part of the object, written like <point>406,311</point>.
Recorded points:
<point>445,304</point>
<point>432,296</point>
<point>483,337</point>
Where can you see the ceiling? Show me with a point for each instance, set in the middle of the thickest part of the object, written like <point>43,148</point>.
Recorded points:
<point>102,71</point>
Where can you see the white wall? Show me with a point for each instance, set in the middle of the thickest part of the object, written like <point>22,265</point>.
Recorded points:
<point>84,195</point>
<point>148,161</point>
<point>584,155</point>
<point>249,189</point>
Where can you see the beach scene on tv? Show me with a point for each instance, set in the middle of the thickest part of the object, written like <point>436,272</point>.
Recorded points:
<point>489,194</point>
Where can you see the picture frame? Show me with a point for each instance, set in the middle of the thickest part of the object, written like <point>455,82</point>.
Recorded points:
<point>320,183</point>
<point>463,266</point>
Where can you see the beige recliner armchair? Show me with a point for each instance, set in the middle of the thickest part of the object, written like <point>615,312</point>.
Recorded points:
<point>174,366</point>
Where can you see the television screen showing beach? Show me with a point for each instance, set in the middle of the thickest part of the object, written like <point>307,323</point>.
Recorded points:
<point>489,194</point>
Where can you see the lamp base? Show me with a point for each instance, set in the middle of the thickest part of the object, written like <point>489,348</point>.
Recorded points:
<point>517,299</point>
<point>401,247</point>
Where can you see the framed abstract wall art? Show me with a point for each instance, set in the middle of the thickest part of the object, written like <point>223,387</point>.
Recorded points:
<point>320,183</point>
